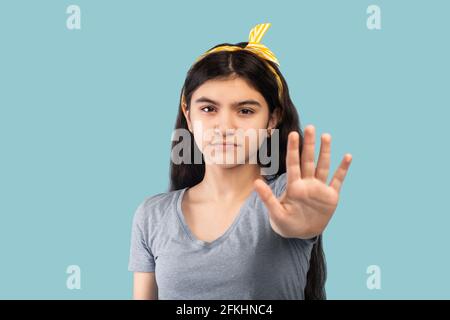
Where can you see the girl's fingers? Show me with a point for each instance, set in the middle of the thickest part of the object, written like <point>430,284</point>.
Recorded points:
<point>293,158</point>
<point>339,175</point>
<point>268,198</point>
<point>307,162</point>
<point>323,164</point>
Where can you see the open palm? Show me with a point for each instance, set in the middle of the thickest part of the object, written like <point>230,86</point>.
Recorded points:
<point>308,202</point>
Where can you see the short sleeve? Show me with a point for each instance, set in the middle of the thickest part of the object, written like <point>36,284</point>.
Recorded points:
<point>141,258</point>
<point>279,187</point>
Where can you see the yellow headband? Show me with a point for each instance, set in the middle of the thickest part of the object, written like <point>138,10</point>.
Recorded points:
<point>255,47</point>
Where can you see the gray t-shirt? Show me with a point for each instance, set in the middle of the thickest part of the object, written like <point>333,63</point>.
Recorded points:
<point>248,261</point>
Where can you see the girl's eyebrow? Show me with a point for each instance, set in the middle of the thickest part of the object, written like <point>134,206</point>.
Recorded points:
<point>239,103</point>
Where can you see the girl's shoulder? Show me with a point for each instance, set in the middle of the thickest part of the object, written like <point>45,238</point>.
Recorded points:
<point>154,207</point>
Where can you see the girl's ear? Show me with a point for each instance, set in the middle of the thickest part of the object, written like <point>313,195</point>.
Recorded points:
<point>186,115</point>
<point>274,118</point>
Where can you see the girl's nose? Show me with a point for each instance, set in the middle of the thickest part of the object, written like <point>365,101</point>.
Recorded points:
<point>225,124</point>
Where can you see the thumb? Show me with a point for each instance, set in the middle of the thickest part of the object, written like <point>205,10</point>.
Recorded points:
<point>268,198</point>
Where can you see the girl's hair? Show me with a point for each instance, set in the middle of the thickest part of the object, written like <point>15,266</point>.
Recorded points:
<point>250,67</point>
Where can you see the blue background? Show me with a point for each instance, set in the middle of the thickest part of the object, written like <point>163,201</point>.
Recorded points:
<point>86,118</point>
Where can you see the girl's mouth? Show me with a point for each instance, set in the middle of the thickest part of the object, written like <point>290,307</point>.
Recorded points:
<point>225,144</point>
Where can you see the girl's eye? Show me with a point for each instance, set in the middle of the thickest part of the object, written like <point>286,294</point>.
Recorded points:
<point>207,107</point>
<point>247,111</point>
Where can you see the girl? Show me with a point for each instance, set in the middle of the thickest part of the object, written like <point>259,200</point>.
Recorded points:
<point>229,230</point>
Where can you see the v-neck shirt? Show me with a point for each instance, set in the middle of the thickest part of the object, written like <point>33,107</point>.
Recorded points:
<point>248,261</point>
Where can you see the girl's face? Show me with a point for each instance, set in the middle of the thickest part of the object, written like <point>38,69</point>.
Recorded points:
<point>229,121</point>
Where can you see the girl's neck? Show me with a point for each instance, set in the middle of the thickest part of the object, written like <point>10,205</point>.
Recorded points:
<point>228,184</point>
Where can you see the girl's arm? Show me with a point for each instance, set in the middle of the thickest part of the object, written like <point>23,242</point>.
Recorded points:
<point>144,286</point>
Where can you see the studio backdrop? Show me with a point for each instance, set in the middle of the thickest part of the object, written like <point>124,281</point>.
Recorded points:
<point>89,92</point>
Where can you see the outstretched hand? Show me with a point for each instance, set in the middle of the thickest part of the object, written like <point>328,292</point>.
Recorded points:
<point>308,202</point>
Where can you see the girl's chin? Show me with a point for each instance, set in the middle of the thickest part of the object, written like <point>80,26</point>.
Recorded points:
<point>225,165</point>
<point>225,161</point>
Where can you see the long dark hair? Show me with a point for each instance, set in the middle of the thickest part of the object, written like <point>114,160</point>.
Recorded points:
<point>250,67</point>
